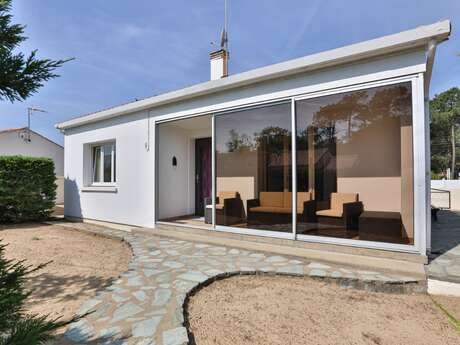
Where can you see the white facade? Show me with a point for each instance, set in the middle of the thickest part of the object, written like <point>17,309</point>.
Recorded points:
<point>139,162</point>
<point>131,200</point>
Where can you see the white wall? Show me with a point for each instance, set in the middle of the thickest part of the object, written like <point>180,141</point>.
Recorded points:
<point>60,190</point>
<point>174,182</point>
<point>132,203</point>
<point>176,187</point>
<point>11,144</point>
<point>441,199</point>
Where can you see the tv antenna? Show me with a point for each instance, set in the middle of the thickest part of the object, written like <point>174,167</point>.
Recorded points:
<point>30,111</point>
<point>224,35</point>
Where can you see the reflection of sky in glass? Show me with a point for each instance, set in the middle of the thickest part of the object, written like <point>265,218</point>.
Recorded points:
<point>248,122</point>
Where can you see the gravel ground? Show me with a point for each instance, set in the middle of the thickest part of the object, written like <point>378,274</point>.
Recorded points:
<point>287,310</point>
<point>81,265</point>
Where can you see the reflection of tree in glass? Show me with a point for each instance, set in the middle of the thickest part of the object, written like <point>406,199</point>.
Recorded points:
<point>390,101</point>
<point>272,139</point>
<point>358,110</point>
<point>238,142</point>
<point>345,113</point>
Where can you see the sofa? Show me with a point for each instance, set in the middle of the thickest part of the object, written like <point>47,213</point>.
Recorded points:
<point>229,208</point>
<point>342,210</point>
<point>276,208</point>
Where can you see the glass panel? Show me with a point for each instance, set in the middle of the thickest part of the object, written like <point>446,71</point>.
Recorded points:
<point>253,168</point>
<point>96,164</point>
<point>355,165</point>
<point>107,149</point>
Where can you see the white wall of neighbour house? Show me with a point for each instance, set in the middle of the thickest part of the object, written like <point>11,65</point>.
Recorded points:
<point>12,144</point>
<point>440,198</point>
<point>133,203</point>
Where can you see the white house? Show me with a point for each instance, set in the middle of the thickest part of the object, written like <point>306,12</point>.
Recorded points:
<point>26,142</point>
<point>328,148</point>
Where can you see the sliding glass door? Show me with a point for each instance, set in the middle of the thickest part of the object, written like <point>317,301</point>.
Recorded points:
<point>355,160</point>
<point>253,168</point>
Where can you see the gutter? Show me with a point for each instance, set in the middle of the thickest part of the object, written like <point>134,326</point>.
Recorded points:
<point>431,52</point>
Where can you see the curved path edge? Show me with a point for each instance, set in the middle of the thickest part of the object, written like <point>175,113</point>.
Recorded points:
<point>146,304</point>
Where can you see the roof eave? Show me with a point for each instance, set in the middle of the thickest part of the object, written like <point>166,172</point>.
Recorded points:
<point>388,44</point>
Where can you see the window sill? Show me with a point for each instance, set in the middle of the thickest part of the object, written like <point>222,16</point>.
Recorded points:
<point>102,189</point>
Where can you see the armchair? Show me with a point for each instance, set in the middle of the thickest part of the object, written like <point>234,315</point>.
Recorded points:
<point>229,208</point>
<point>344,210</point>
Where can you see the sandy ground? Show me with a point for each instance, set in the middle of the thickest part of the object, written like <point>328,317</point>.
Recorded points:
<point>268,310</point>
<point>81,265</point>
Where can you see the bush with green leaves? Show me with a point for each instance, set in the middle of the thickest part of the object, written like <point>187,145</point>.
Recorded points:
<point>27,188</point>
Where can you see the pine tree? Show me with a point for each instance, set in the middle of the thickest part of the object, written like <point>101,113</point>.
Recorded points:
<point>16,326</point>
<point>20,76</point>
<point>445,121</point>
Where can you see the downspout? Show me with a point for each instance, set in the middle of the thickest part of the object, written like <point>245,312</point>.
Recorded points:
<point>147,143</point>
<point>431,52</point>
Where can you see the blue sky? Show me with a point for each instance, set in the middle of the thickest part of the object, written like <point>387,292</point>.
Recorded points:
<point>133,49</point>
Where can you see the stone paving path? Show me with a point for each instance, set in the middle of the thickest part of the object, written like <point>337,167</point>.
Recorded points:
<point>145,305</point>
<point>445,265</point>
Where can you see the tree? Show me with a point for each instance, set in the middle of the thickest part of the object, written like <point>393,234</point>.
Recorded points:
<point>20,76</point>
<point>238,142</point>
<point>445,115</point>
<point>17,327</point>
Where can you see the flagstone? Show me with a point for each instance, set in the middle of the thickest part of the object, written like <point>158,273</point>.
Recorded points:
<point>147,301</point>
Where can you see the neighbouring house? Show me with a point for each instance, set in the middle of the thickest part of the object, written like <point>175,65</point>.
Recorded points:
<point>26,142</point>
<point>331,148</point>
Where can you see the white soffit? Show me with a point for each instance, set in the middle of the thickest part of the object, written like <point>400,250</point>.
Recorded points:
<point>410,39</point>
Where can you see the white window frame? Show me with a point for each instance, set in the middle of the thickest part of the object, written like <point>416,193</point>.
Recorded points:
<point>101,168</point>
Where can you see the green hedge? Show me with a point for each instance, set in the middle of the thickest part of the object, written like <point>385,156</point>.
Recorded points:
<point>27,188</point>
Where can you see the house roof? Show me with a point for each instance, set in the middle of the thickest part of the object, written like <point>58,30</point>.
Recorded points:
<point>9,130</point>
<point>405,40</point>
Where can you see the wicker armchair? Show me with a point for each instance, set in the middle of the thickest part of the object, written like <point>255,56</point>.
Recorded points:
<point>344,210</point>
<point>229,208</point>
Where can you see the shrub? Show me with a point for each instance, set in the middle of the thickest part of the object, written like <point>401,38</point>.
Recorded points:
<point>27,188</point>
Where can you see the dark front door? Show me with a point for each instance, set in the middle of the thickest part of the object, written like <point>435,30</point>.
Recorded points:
<point>202,173</point>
